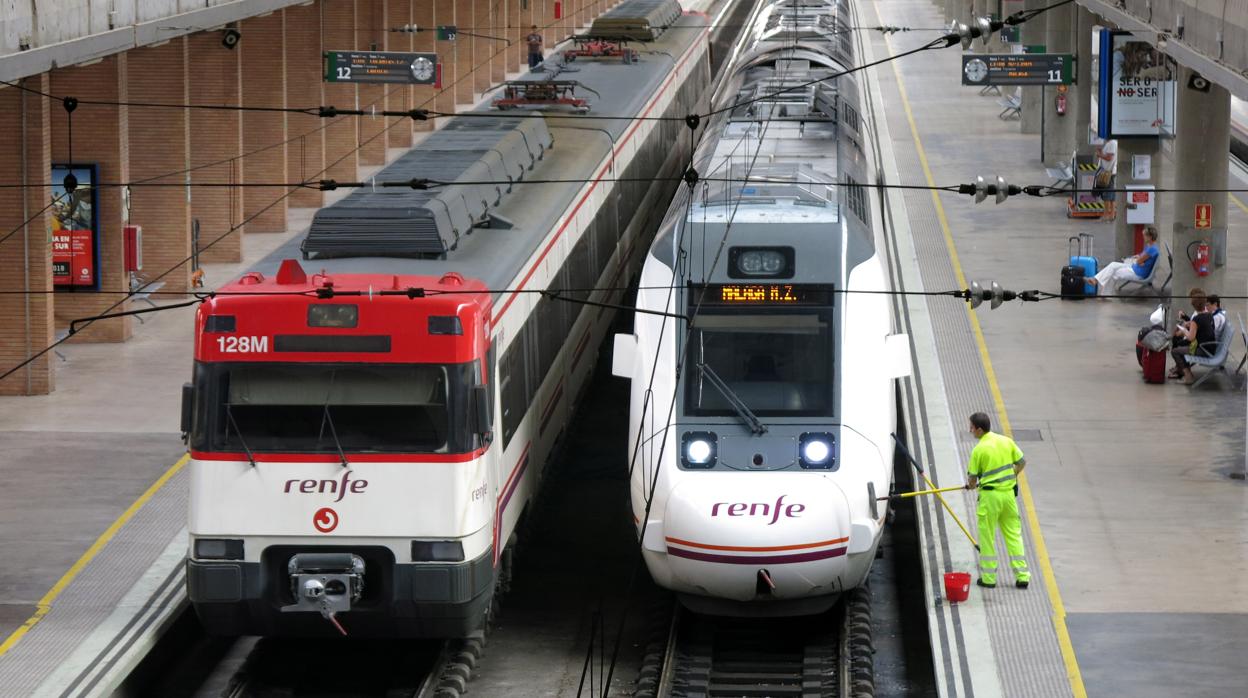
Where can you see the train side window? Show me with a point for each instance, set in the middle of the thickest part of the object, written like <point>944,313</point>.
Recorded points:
<point>511,388</point>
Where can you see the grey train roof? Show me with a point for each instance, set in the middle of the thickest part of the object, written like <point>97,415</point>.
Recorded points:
<point>403,222</point>
<point>521,217</point>
<point>639,20</point>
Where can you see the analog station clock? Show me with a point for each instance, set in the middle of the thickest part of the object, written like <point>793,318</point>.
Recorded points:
<point>975,70</point>
<point>422,69</point>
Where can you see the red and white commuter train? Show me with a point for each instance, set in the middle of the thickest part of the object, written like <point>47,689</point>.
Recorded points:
<point>368,426</point>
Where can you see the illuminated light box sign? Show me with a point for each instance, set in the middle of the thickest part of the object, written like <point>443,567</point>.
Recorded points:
<point>1017,69</point>
<point>75,229</point>
<point>381,67</point>
<point>1137,93</point>
<point>763,294</point>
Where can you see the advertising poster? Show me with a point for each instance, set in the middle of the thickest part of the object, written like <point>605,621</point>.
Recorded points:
<point>75,229</point>
<point>1137,88</point>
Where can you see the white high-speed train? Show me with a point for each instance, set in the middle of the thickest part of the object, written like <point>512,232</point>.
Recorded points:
<point>762,405</point>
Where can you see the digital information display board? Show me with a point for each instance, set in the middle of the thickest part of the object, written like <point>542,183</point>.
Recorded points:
<point>382,66</point>
<point>985,69</point>
<point>762,294</point>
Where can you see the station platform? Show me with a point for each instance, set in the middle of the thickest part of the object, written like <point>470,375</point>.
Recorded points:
<point>1132,525</point>
<point>1133,530</point>
<point>95,503</point>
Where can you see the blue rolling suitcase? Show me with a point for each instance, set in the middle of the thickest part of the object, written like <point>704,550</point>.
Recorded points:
<point>1081,256</point>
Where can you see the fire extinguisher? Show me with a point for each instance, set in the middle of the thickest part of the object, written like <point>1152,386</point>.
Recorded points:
<point>1060,103</point>
<point>1200,262</point>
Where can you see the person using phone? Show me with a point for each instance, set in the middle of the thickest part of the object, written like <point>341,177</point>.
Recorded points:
<point>1193,335</point>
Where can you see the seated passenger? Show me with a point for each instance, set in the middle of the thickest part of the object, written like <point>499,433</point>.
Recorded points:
<point>1134,268</point>
<point>1213,304</point>
<point>1193,336</point>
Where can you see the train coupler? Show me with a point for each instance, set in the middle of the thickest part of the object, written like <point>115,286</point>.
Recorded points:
<point>325,583</point>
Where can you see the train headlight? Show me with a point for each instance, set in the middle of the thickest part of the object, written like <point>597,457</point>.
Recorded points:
<point>816,450</point>
<point>697,449</point>
<point>218,549</point>
<point>762,262</point>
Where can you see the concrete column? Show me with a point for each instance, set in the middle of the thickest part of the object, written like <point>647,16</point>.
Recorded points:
<point>305,153</point>
<point>159,145</point>
<point>216,137</point>
<point>398,97</point>
<point>1124,235</point>
<point>264,85</point>
<point>462,47</point>
<point>498,49</point>
<point>26,324</point>
<point>426,97</point>
<point>951,10</point>
<point>1202,142</point>
<point>1082,89</point>
<point>444,11</point>
<point>482,48</point>
<point>101,136</point>
<point>370,35</point>
<point>515,31</point>
<point>1033,33</point>
<point>341,135</point>
<point>1059,131</point>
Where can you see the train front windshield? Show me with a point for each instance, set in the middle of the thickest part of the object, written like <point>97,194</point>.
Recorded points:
<point>777,361</point>
<point>318,408</point>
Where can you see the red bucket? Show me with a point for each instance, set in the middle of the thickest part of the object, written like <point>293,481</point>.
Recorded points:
<point>957,586</point>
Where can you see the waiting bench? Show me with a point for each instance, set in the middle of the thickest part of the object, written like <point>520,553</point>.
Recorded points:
<point>1011,106</point>
<point>1217,362</point>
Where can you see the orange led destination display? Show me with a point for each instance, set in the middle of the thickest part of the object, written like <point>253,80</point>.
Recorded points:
<point>763,294</point>
<point>1017,69</point>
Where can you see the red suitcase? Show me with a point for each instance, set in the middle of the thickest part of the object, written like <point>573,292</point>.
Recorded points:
<point>1154,364</point>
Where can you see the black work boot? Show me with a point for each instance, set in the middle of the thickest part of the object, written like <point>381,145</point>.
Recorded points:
<point>986,585</point>
<point>1022,583</point>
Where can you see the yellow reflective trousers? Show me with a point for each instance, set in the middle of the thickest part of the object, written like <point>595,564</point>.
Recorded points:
<point>999,508</point>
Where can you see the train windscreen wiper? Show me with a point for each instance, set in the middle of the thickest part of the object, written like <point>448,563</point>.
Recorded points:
<point>327,419</point>
<point>229,414</point>
<point>739,406</point>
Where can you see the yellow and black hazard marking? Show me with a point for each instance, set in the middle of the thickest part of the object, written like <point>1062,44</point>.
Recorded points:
<point>1090,206</point>
<point>1087,167</point>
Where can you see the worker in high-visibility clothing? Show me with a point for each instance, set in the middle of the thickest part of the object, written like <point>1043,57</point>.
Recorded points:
<point>996,462</point>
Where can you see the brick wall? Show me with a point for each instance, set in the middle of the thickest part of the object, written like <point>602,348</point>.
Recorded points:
<point>263,56</point>
<point>399,97</point>
<point>216,137</point>
<point>100,136</point>
<point>370,35</point>
<point>26,257</point>
<point>341,136</point>
<point>158,150</point>
<point>423,15</point>
<point>305,153</point>
<point>461,48</point>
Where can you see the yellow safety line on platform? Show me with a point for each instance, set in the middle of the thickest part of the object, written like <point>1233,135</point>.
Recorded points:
<point>1238,203</point>
<point>1033,522</point>
<point>44,605</point>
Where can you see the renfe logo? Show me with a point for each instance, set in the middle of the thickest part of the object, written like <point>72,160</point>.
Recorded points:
<point>331,486</point>
<point>790,511</point>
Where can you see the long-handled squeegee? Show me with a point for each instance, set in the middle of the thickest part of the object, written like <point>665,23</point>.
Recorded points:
<point>934,490</point>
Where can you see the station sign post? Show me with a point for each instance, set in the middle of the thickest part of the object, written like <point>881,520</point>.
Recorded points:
<point>981,70</point>
<point>382,67</point>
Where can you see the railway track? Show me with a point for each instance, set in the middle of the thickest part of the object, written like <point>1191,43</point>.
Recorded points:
<point>828,655</point>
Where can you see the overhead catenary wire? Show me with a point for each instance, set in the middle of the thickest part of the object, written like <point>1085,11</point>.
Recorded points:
<point>88,321</point>
<point>71,103</point>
